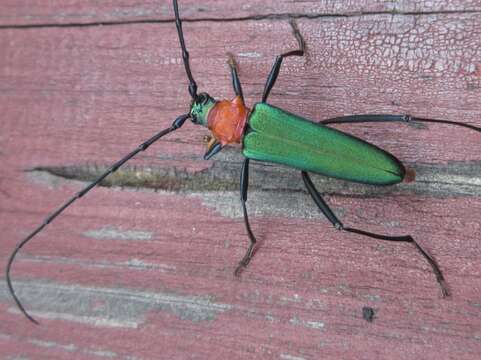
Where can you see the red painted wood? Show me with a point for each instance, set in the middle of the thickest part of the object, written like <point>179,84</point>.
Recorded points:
<point>148,275</point>
<point>31,12</point>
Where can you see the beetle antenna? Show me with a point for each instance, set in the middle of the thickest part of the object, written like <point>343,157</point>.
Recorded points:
<point>185,53</point>
<point>175,125</point>
<point>351,119</point>
<point>469,126</point>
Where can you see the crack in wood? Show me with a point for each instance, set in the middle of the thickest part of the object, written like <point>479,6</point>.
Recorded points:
<point>442,181</point>
<point>285,16</point>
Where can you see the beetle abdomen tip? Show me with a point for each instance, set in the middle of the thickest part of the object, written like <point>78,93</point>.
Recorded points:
<point>410,175</point>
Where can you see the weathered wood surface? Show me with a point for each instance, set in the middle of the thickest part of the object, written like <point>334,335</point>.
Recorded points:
<point>143,269</point>
<point>61,12</point>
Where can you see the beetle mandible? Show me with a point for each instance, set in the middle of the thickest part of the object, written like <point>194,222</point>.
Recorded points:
<point>271,134</point>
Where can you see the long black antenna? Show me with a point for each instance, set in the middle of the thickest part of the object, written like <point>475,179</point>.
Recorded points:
<point>175,125</point>
<point>389,118</point>
<point>185,53</point>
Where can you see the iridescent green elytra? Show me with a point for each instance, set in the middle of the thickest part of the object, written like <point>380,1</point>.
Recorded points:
<point>277,136</point>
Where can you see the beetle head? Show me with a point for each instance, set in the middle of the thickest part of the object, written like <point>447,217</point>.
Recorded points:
<point>200,108</point>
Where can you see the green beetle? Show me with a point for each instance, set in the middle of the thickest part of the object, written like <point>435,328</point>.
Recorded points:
<point>271,134</point>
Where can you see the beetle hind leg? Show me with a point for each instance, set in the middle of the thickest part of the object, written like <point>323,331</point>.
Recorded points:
<point>322,205</point>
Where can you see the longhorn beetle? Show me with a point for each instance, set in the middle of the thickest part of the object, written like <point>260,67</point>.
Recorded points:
<point>268,133</point>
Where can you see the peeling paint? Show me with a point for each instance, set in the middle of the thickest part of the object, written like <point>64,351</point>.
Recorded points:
<point>307,323</point>
<point>263,203</point>
<point>117,233</point>
<point>290,357</point>
<point>87,320</point>
<point>121,308</point>
<point>373,297</point>
<point>295,298</point>
<point>135,264</point>
<point>70,348</point>
<point>5,337</point>
<point>249,54</point>
<point>101,353</point>
<point>51,344</point>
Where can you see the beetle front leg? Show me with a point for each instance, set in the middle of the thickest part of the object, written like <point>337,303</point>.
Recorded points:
<point>235,77</point>
<point>213,148</point>
<point>244,184</point>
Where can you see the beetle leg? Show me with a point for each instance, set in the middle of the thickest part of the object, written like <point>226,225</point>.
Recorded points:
<point>213,148</point>
<point>271,79</point>
<point>210,140</point>
<point>338,225</point>
<point>391,118</point>
<point>244,184</point>
<point>235,77</point>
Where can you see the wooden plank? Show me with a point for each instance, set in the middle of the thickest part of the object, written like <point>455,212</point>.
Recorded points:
<point>37,12</point>
<point>144,269</point>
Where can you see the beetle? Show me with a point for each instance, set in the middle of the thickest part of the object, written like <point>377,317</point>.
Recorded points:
<point>270,134</point>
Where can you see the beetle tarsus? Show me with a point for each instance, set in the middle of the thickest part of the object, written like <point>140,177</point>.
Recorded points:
<point>435,267</point>
<point>246,259</point>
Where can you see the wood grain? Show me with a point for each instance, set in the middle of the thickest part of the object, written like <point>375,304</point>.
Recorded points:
<point>16,13</point>
<point>142,268</point>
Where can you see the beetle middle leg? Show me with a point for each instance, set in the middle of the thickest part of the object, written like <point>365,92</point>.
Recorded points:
<point>244,184</point>
<point>271,79</point>
<point>322,205</point>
